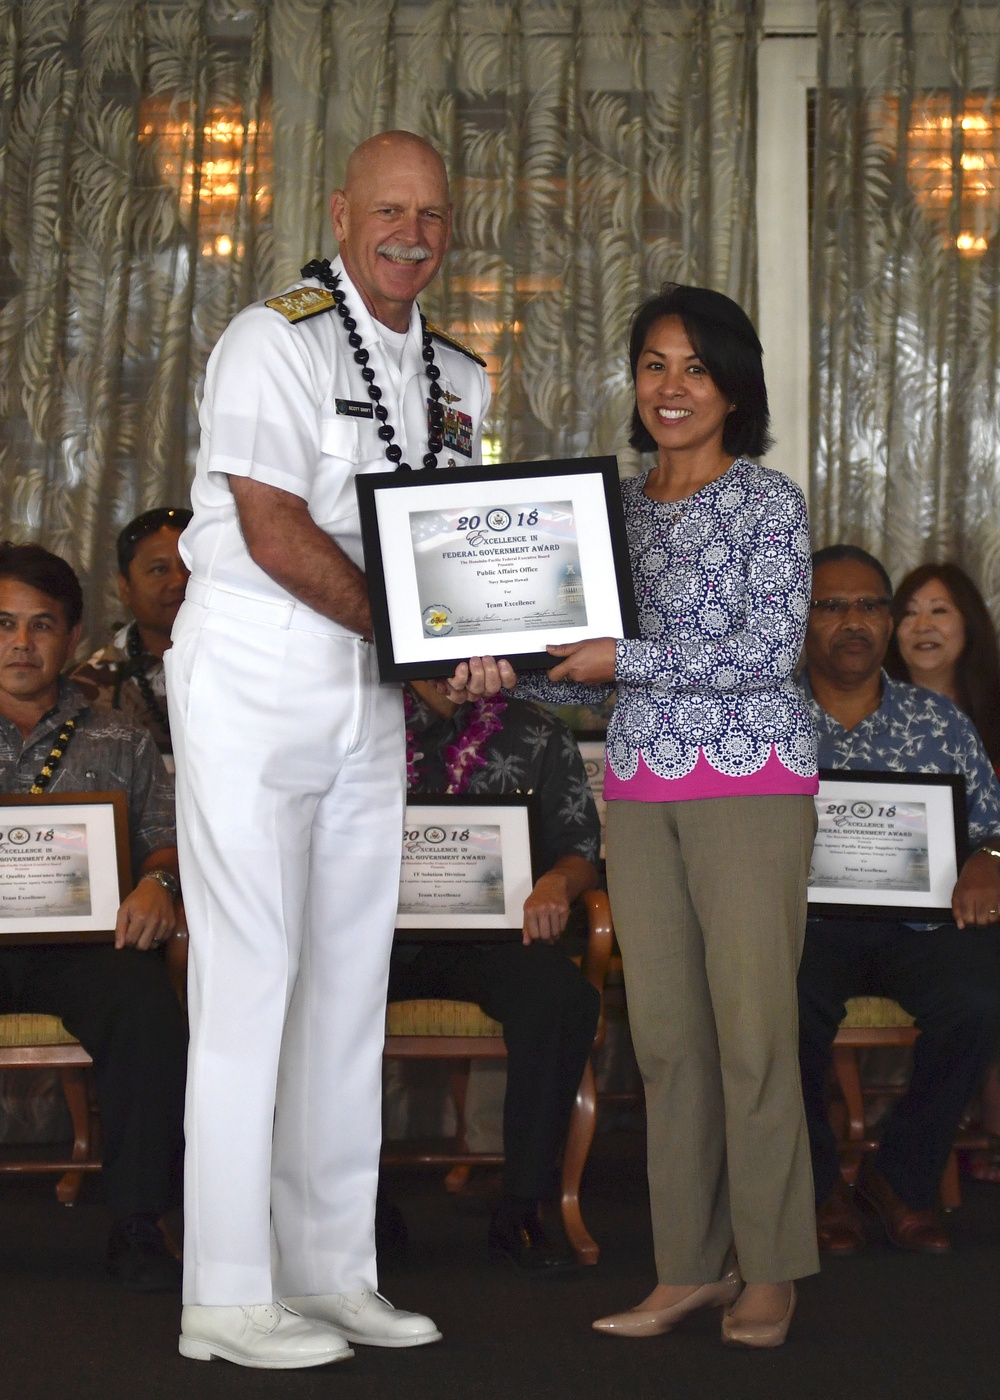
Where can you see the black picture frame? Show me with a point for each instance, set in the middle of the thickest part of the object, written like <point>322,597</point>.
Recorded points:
<point>954,829</point>
<point>432,930</point>
<point>522,657</point>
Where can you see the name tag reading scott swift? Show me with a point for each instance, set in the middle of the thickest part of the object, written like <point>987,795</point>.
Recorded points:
<point>351,408</point>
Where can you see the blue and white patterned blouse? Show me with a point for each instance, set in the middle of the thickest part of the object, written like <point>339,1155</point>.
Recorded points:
<point>722,585</point>
<point>914,731</point>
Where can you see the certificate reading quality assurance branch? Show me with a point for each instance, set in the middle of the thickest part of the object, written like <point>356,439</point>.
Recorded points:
<point>513,567</point>
<point>44,871</point>
<point>64,866</point>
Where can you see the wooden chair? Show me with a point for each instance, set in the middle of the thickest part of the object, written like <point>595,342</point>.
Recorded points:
<point>874,1022</point>
<point>30,1041</point>
<point>458,1031</point>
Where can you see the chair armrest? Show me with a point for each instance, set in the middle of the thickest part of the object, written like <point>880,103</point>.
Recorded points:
<point>176,953</point>
<point>600,938</point>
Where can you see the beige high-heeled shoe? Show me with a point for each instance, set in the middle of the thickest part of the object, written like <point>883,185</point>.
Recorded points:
<point>757,1334</point>
<point>653,1322</point>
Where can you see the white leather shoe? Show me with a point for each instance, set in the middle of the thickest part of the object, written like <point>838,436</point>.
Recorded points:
<point>367,1318</point>
<point>267,1335</point>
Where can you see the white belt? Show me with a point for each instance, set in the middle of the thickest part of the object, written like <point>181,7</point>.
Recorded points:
<point>272,612</point>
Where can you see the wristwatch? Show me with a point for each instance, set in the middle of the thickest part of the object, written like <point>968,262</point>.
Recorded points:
<point>164,878</point>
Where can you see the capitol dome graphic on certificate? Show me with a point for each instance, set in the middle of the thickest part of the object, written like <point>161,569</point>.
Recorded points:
<point>513,567</point>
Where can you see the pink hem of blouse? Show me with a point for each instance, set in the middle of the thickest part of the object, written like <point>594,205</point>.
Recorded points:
<point>773,780</point>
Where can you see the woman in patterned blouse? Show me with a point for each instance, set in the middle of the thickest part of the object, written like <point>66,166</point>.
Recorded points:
<point>710,820</point>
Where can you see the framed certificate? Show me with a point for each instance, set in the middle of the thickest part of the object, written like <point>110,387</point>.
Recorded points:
<point>467,868</point>
<point>494,561</point>
<point>64,866</point>
<point>888,845</point>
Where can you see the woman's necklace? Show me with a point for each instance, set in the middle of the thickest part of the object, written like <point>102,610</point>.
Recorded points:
<point>465,755</point>
<point>137,655</point>
<point>323,272</point>
<point>56,754</point>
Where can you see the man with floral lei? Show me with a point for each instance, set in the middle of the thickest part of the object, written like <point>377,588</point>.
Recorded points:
<point>127,674</point>
<point>548,1009</point>
<point>116,999</point>
<point>291,775</point>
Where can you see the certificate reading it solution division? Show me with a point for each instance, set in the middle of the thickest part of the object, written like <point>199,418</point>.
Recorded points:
<point>451,871</point>
<point>467,866</point>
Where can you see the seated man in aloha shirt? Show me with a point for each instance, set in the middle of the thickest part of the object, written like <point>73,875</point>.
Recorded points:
<point>547,1007</point>
<point>116,999</point>
<point>946,976</point>
<point>127,674</point>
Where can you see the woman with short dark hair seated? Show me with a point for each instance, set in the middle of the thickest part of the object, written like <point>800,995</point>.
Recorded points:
<point>945,640</point>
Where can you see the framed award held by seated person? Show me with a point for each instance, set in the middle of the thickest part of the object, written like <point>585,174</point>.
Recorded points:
<point>468,866</point>
<point>64,866</point>
<point>888,845</point>
<point>499,561</point>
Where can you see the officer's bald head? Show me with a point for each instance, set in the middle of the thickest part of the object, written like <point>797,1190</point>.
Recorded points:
<point>393,221</point>
<point>383,153</point>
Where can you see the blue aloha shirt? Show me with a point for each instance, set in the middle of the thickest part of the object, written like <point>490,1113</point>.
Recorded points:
<point>914,731</point>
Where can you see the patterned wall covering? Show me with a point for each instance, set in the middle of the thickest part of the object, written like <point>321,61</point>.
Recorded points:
<point>906,283</point>
<point>134,221</point>
<point>596,148</point>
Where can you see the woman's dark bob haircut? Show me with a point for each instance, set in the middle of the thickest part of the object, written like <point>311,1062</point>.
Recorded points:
<point>977,670</point>
<point>725,341</point>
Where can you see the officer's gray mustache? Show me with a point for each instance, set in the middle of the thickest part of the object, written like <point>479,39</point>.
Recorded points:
<point>402,252</point>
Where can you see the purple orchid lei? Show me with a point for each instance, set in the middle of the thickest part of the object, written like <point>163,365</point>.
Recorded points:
<point>465,755</point>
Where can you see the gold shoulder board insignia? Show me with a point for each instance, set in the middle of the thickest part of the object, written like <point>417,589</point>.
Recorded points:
<point>302,303</point>
<point>439,334</point>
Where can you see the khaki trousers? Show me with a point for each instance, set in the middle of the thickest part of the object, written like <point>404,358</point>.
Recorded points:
<point>709,900</point>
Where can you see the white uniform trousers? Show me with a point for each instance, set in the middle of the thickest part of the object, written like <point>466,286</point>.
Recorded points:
<point>290,793</point>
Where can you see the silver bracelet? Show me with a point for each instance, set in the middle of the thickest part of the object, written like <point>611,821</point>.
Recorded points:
<point>989,851</point>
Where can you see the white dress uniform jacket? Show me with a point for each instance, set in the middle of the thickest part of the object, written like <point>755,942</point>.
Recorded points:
<point>290,788</point>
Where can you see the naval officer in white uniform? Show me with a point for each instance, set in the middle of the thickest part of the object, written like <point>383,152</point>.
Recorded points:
<point>291,772</point>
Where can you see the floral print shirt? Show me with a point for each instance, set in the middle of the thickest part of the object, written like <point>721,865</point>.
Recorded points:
<point>108,752</point>
<point>533,752</point>
<point>914,731</point>
<point>722,585</point>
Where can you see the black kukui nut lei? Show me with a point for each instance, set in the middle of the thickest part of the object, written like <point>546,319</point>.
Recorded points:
<point>322,271</point>
<point>56,756</point>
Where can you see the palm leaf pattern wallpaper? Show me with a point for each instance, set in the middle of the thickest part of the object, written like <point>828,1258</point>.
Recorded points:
<point>134,222</point>
<point>596,147</point>
<point>906,283</point>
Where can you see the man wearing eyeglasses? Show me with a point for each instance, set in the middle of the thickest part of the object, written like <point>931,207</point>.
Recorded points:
<point>946,976</point>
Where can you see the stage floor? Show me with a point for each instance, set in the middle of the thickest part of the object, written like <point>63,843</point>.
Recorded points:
<point>882,1326</point>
